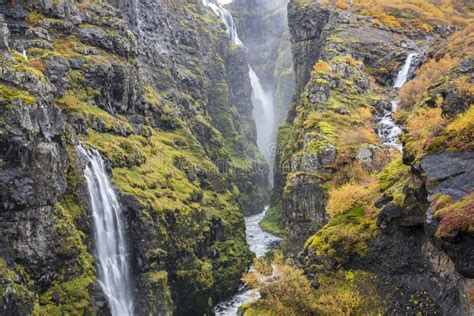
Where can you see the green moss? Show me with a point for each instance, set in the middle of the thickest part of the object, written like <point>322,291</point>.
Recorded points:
<point>352,292</point>
<point>9,94</point>
<point>16,292</point>
<point>343,236</point>
<point>393,179</point>
<point>272,222</point>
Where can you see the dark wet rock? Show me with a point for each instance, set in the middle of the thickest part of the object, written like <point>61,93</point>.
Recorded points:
<point>384,200</point>
<point>307,37</point>
<point>449,173</point>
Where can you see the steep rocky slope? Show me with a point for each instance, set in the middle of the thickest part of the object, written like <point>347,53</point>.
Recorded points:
<point>158,89</point>
<point>263,28</point>
<point>374,231</point>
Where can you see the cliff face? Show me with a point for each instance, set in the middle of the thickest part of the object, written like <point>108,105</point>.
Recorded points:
<point>263,27</point>
<point>350,205</point>
<point>159,90</point>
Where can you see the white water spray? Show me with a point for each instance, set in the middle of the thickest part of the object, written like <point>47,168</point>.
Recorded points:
<point>403,74</point>
<point>263,114</point>
<point>389,132</point>
<point>260,243</point>
<point>263,111</point>
<point>111,249</point>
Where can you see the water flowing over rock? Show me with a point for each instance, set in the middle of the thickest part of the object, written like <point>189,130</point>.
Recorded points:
<point>263,109</point>
<point>110,244</point>
<point>227,18</point>
<point>264,115</point>
<point>403,74</point>
<point>260,243</point>
<point>388,131</point>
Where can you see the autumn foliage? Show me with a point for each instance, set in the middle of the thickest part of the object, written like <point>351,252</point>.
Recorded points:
<point>454,216</point>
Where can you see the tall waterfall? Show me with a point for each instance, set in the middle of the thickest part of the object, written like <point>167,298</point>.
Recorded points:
<point>389,132</point>
<point>263,111</point>
<point>264,116</point>
<point>110,246</point>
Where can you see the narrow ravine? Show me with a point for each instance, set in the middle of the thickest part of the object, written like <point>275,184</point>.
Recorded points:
<point>260,243</point>
<point>113,268</point>
<point>388,131</point>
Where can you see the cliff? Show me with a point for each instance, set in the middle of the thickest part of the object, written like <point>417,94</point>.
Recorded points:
<point>374,231</point>
<point>159,90</point>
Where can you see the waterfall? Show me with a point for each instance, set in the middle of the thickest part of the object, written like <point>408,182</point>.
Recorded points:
<point>403,73</point>
<point>110,245</point>
<point>388,131</point>
<point>263,112</point>
<point>227,18</point>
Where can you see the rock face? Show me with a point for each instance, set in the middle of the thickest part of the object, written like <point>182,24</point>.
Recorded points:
<point>307,38</point>
<point>263,28</point>
<point>397,236</point>
<point>159,90</point>
<point>4,33</point>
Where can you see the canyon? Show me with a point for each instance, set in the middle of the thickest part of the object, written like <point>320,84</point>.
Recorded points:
<point>199,157</point>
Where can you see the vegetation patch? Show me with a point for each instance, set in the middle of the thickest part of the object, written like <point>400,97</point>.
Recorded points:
<point>454,216</point>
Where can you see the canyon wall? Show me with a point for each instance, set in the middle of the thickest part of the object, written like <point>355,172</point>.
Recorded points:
<point>157,88</point>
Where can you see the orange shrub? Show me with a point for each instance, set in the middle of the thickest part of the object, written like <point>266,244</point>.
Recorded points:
<point>342,4</point>
<point>350,195</point>
<point>454,216</point>
<point>285,289</point>
<point>321,66</point>
<point>422,126</point>
<point>422,14</point>
<point>413,90</point>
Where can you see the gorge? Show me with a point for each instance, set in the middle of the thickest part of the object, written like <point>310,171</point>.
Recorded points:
<point>245,157</point>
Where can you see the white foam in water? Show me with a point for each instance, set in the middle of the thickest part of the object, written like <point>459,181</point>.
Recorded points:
<point>388,131</point>
<point>110,246</point>
<point>260,243</point>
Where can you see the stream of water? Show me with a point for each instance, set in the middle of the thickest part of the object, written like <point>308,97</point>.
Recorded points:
<point>260,243</point>
<point>388,131</point>
<point>113,268</point>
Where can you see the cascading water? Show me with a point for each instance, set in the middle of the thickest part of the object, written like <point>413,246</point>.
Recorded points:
<point>264,116</point>
<point>110,246</point>
<point>260,241</point>
<point>388,131</point>
<point>263,111</point>
<point>227,18</point>
<point>403,73</point>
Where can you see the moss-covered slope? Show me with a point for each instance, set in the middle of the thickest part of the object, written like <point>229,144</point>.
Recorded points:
<point>169,111</point>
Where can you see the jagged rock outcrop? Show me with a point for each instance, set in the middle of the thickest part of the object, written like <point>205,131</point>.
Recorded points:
<point>360,213</point>
<point>159,90</point>
<point>263,28</point>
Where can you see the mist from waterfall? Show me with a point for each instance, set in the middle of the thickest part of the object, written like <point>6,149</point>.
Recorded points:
<point>264,116</point>
<point>113,268</point>
<point>263,108</point>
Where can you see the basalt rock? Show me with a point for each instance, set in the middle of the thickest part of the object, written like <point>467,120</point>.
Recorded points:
<point>158,89</point>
